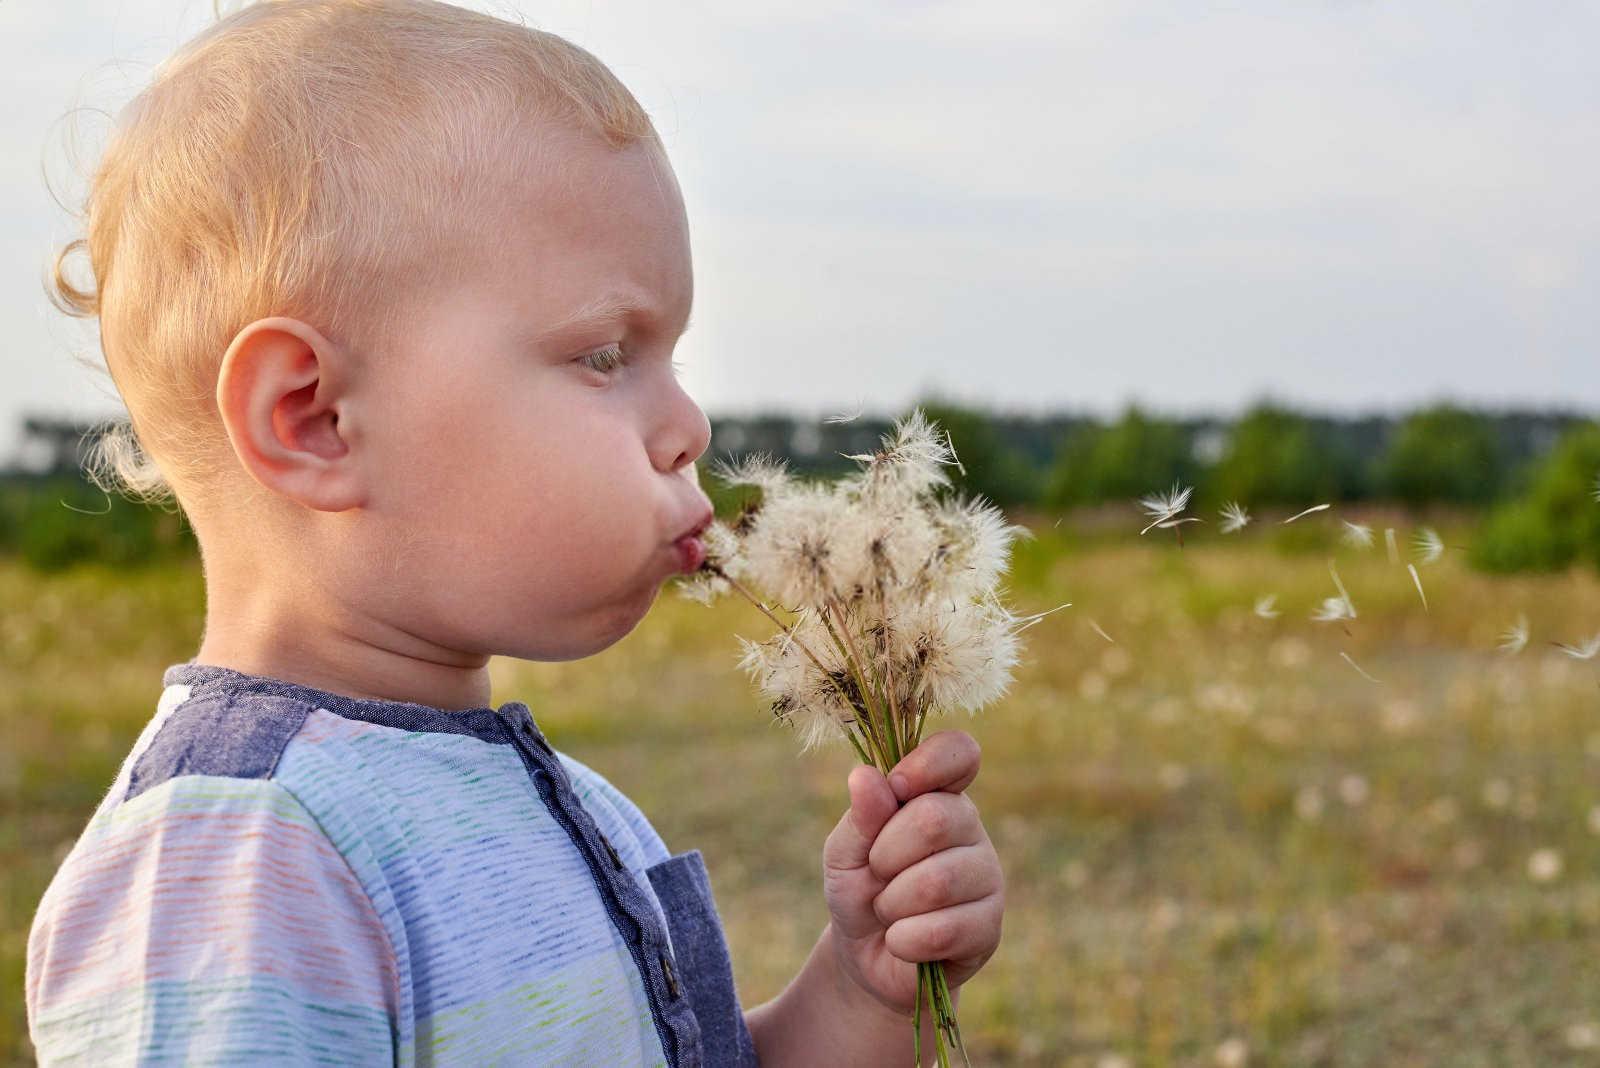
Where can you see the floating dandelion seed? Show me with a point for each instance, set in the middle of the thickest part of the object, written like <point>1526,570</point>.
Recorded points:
<point>1357,666</point>
<point>845,417</point>
<point>1357,535</point>
<point>1587,651</point>
<point>1234,517</point>
<point>1427,545</point>
<point>1349,605</point>
<point>1164,506</point>
<point>1388,541</point>
<point>1418,580</point>
<point>1333,609</point>
<point>1103,634</point>
<point>1177,525</point>
<point>1337,608</point>
<point>1264,606</point>
<point>1515,638</point>
<point>1308,511</point>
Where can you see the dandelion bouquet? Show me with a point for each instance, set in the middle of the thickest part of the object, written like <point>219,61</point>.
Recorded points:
<point>895,615</point>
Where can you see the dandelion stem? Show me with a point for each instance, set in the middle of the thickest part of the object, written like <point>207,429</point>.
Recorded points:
<point>936,973</point>
<point>887,710</point>
<point>885,749</point>
<point>916,1017</point>
<point>869,724</point>
<point>789,631</point>
<point>856,744</point>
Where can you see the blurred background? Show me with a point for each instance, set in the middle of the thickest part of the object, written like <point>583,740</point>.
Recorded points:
<point>1340,253</point>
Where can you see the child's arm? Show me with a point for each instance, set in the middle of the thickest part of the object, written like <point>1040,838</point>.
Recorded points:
<point>903,885</point>
<point>210,919</point>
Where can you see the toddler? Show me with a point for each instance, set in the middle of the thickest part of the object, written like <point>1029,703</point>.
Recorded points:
<point>391,291</point>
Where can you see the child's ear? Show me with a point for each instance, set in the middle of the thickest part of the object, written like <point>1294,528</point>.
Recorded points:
<point>282,392</point>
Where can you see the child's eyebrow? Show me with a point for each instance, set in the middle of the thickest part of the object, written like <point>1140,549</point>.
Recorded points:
<point>610,308</point>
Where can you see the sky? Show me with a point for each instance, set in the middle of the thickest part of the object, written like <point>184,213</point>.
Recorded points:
<point>1031,206</point>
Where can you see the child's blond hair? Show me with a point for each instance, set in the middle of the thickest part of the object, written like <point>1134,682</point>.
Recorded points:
<point>312,158</point>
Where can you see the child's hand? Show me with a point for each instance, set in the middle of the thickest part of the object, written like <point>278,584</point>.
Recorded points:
<point>917,883</point>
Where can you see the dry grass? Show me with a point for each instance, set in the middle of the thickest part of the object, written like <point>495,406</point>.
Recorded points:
<point>1217,835</point>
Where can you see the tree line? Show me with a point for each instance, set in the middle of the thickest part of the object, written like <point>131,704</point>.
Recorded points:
<point>1532,475</point>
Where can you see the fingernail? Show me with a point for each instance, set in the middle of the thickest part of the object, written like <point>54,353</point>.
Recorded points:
<point>898,783</point>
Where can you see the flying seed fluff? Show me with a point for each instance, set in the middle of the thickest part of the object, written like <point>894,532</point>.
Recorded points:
<point>321,159</point>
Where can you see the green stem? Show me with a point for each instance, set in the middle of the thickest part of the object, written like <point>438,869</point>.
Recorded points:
<point>789,631</point>
<point>916,1017</point>
<point>856,744</point>
<point>947,1012</point>
<point>884,709</point>
<point>867,694</point>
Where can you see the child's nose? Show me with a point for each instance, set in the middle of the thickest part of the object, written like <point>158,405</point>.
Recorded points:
<point>683,436</point>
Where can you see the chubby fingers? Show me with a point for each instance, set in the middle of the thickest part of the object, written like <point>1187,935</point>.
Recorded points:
<point>924,826</point>
<point>953,877</point>
<point>945,761</point>
<point>968,933</point>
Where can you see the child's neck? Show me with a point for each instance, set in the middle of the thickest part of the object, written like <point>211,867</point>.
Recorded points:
<point>317,644</point>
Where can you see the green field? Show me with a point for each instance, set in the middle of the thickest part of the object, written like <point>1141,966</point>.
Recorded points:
<point>1223,844</point>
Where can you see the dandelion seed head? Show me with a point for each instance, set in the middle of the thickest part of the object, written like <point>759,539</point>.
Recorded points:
<point>911,461</point>
<point>962,654</point>
<point>979,546</point>
<point>771,476</point>
<point>789,549</point>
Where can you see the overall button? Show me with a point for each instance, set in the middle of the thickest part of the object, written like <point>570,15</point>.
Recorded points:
<point>672,980</point>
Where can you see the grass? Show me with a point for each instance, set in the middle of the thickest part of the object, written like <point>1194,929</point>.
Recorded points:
<point>1218,837</point>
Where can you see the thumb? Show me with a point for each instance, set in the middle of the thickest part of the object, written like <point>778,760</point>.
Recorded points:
<point>848,882</point>
<point>872,802</point>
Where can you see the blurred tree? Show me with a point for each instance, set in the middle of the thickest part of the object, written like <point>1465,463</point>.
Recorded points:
<point>1443,453</point>
<point>1135,456</point>
<point>1278,456</point>
<point>995,469</point>
<point>1557,523</point>
<point>54,521</point>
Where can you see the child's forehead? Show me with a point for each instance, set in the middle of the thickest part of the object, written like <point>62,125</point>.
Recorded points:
<point>604,227</point>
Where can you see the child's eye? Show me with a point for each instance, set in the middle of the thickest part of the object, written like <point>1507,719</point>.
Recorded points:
<point>606,360</point>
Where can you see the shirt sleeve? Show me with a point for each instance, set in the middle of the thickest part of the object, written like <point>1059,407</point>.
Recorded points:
<point>210,920</point>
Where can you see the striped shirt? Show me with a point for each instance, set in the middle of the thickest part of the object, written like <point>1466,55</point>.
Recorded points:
<point>284,875</point>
